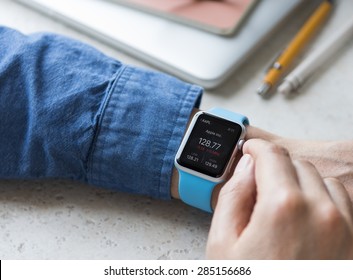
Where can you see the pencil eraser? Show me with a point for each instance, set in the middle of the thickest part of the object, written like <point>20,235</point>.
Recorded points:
<point>285,88</point>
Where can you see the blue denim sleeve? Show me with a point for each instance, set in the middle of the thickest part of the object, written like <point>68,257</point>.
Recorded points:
<point>68,111</point>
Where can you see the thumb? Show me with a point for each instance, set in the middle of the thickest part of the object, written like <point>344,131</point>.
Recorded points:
<point>234,207</point>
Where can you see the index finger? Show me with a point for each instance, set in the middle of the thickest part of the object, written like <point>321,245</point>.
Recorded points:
<point>273,166</point>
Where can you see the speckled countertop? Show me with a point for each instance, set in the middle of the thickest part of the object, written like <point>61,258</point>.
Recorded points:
<point>58,219</point>
<point>67,220</point>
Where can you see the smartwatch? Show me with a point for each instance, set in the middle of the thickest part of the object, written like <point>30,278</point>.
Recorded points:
<point>206,154</point>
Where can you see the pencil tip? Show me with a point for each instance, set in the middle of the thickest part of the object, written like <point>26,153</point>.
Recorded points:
<point>263,89</point>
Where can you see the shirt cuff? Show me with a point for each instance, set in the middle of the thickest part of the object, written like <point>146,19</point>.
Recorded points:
<point>141,125</point>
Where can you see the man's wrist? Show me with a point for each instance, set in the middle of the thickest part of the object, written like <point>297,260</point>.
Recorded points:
<point>175,174</point>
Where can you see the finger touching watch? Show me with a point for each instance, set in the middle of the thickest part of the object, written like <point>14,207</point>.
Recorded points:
<point>206,154</point>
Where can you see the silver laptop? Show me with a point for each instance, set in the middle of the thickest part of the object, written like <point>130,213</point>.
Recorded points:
<point>193,55</point>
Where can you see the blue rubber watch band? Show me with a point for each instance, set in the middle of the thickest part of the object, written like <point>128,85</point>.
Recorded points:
<point>229,115</point>
<point>197,191</point>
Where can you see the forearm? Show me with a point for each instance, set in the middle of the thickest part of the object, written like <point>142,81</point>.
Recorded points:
<point>51,95</point>
<point>69,111</point>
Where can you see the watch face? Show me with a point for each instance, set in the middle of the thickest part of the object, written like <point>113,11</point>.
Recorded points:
<point>210,145</point>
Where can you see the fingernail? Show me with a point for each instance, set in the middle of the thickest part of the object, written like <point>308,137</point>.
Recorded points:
<point>243,163</point>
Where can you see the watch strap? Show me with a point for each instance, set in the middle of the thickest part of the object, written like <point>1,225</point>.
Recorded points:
<point>196,191</point>
<point>229,115</point>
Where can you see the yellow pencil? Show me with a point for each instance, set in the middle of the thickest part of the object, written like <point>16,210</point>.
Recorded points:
<point>295,46</point>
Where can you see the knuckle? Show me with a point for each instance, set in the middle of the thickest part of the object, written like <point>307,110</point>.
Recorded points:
<point>288,204</point>
<point>277,149</point>
<point>229,189</point>
<point>331,217</point>
<point>303,163</point>
<point>333,181</point>
<point>233,187</point>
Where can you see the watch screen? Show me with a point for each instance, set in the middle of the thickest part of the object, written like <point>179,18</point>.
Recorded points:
<point>210,145</point>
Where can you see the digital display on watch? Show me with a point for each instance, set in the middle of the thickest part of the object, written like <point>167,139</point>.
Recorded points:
<point>210,145</point>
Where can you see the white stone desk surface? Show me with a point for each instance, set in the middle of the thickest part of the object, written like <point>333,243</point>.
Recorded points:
<point>66,220</point>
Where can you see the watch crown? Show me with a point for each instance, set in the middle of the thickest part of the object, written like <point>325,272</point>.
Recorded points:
<point>240,144</point>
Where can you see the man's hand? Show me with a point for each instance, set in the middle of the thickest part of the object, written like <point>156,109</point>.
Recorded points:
<point>276,208</point>
<point>331,158</point>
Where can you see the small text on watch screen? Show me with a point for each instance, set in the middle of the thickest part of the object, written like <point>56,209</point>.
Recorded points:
<point>210,145</point>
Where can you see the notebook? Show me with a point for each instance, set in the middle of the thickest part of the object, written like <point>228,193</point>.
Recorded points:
<point>191,54</point>
<point>221,17</point>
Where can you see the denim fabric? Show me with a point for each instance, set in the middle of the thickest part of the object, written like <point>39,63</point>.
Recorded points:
<point>68,111</point>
